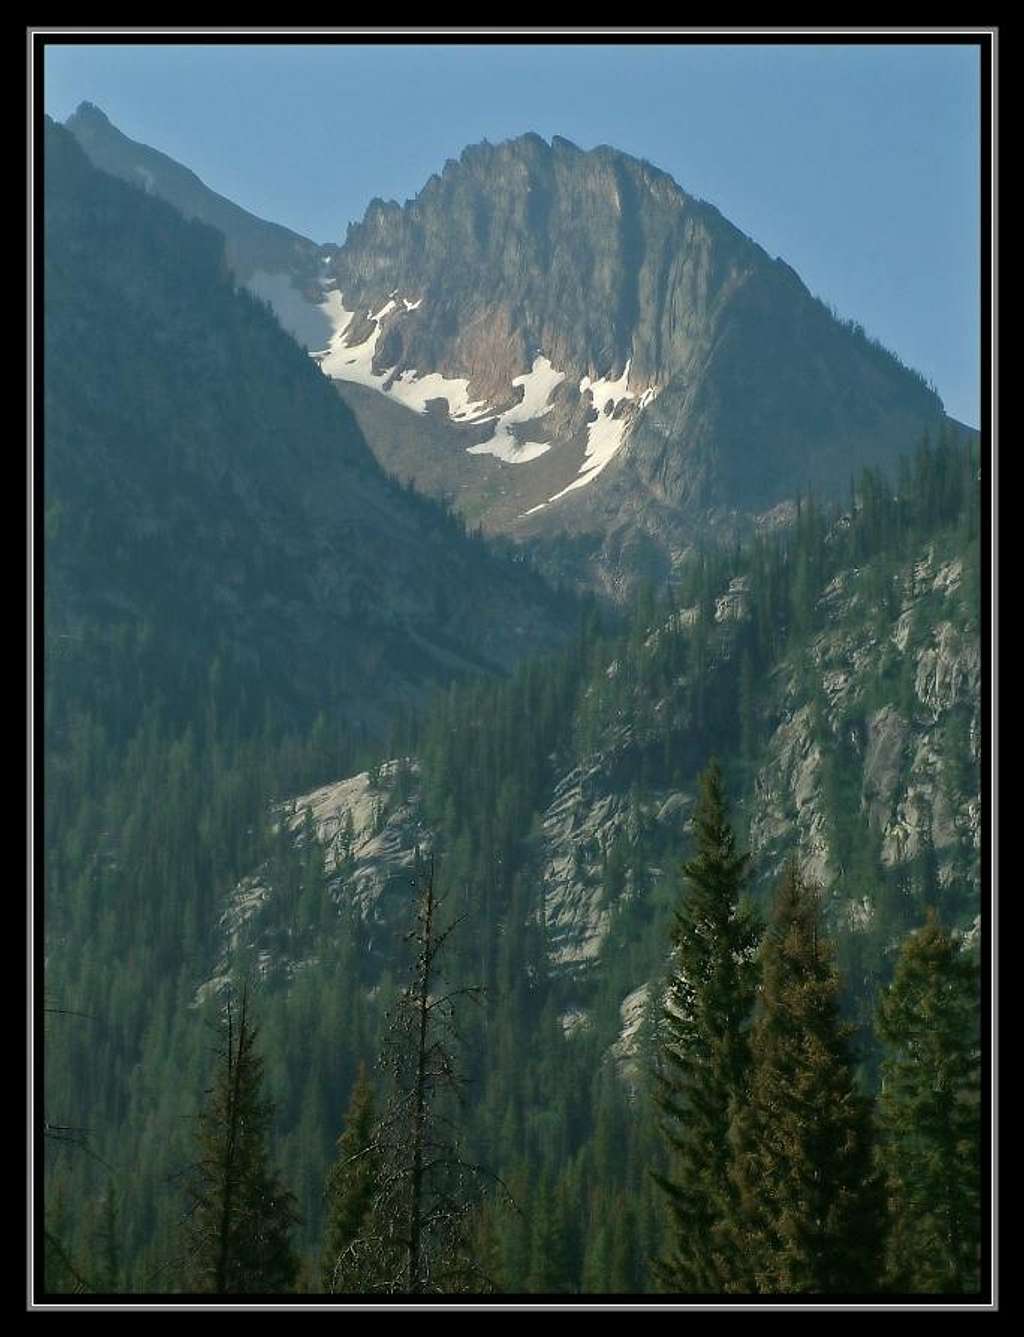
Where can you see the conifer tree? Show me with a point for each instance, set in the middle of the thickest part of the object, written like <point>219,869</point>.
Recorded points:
<point>352,1185</point>
<point>240,1220</point>
<point>104,1258</point>
<point>550,1266</point>
<point>704,1051</point>
<point>929,1114</point>
<point>812,1208</point>
<point>59,1270</point>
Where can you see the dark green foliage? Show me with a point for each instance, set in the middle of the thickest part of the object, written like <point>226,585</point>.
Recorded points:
<point>930,1112</point>
<point>172,818</point>
<point>105,1266</point>
<point>704,1051</point>
<point>60,1271</point>
<point>352,1187</point>
<point>237,1238</point>
<point>551,1268</point>
<point>811,1207</point>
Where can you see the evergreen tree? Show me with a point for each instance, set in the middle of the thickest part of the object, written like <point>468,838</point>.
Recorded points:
<point>812,1209</point>
<point>105,1267</point>
<point>59,1270</point>
<point>550,1266</point>
<point>930,1109</point>
<point>352,1186</point>
<point>704,1052</point>
<point>241,1216</point>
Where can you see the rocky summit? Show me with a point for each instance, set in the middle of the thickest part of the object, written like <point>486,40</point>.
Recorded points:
<point>579,353</point>
<point>618,361</point>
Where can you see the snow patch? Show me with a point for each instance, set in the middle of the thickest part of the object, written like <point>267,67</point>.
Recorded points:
<point>538,383</point>
<point>339,360</point>
<point>607,432</point>
<point>416,392</point>
<point>343,361</point>
<point>354,362</point>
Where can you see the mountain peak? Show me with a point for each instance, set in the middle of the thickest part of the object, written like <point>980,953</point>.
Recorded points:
<point>580,337</point>
<point>586,319</point>
<point>87,113</point>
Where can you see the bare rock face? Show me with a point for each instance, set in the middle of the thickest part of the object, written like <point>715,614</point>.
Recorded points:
<point>588,813</point>
<point>371,832</point>
<point>625,1051</point>
<point>369,829</point>
<point>947,671</point>
<point>742,387</point>
<point>787,795</point>
<point>370,835</point>
<point>576,917</point>
<point>907,752</point>
<point>883,764</point>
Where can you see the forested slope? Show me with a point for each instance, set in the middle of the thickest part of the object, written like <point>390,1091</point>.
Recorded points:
<point>236,603</point>
<point>833,669</point>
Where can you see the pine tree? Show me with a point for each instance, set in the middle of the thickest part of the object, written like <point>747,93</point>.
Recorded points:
<point>352,1186</point>
<point>929,1114</point>
<point>241,1216</point>
<point>704,1051</point>
<point>811,1205</point>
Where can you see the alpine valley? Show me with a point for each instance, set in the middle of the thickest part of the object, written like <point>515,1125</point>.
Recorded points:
<point>466,543</point>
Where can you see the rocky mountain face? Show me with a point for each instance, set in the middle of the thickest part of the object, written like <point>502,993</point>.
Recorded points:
<point>622,286</point>
<point>206,488</point>
<point>579,353</point>
<point>912,753</point>
<point>866,769</point>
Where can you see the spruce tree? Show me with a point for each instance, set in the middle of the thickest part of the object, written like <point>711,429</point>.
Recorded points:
<point>352,1185</point>
<point>928,1019</point>
<point>703,1054</point>
<point>240,1220</point>
<point>811,1206</point>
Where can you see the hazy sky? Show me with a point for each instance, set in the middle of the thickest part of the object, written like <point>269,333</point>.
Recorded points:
<point>858,164</point>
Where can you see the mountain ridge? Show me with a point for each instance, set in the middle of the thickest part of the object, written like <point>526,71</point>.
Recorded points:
<point>608,366</point>
<point>251,240</point>
<point>225,494</point>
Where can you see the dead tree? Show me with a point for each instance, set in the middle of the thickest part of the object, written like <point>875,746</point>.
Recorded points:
<point>417,1237</point>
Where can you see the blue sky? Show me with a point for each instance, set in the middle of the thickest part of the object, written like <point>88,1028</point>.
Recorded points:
<point>857,164</point>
